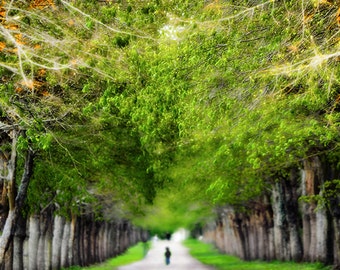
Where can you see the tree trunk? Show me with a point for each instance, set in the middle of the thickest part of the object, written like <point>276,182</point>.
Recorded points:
<point>65,245</point>
<point>45,240</point>
<point>71,242</point>
<point>19,238</point>
<point>33,242</point>
<point>311,180</point>
<point>56,242</point>
<point>15,208</point>
<point>336,243</point>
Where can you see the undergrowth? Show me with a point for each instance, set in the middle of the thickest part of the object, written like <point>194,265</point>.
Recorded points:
<point>133,254</point>
<point>209,255</point>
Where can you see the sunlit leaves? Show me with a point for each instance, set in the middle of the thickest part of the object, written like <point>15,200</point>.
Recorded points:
<point>261,89</point>
<point>213,97</point>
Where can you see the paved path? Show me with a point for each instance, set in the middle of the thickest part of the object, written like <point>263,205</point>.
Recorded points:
<point>180,258</point>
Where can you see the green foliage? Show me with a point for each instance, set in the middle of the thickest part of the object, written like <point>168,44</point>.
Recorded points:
<point>58,181</point>
<point>85,145</point>
<point>176,207</point>
<point>328,197</point>
<point>208,99</point>
<point>251,113</point>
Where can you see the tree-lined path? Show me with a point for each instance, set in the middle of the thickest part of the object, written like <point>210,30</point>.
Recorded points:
<point>217,115</point>
<point>180,259</point>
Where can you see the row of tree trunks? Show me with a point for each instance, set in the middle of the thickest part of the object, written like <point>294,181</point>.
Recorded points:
<point>281,225</point>
<point>53,242</point>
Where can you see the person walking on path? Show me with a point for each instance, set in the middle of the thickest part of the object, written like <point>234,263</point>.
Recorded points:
<point>155,259</point>
<point>167,255</point>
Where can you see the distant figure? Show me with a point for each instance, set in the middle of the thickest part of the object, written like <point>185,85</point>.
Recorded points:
<point>155,238</point>
<point>167,255</point>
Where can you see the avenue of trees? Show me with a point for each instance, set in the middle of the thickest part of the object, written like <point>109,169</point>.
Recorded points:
<point>150,110</point>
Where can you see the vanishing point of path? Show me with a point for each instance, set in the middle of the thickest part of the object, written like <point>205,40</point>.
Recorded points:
<point>180,258</point>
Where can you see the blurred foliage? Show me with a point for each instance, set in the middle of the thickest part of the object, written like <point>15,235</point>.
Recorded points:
<point>183,104</point>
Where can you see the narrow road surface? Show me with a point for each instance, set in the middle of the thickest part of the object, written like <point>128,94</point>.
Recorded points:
<point>155,259</point>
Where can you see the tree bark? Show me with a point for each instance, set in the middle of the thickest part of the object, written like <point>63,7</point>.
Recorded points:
<point>33,242</point>
<point>19,238</point>
<point>65,244</point>
<point>71,242</point>
<point>45,240</point>
<point>15,206</point>
<point>57,241</point>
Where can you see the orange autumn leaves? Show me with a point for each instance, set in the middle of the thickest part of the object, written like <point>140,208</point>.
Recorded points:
<point>36,85</point>
<point>17,36</point>
<point>41,4</point>
<point>35,4</point>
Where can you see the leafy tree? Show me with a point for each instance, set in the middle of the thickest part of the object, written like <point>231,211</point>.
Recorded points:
<point>54,70</point>
<point>247,114</point>
<point>125,98</point>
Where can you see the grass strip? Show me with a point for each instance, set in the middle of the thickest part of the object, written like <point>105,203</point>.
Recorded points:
<point>209,255</point>
<point>133,254</point>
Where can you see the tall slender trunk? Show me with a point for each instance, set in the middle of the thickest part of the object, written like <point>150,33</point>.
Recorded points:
<point>15,205</point>
<point>18,247</point>
<point>65,245</point>
<point>71,241</point>
<point>33,242</point>
<point>57,241</point>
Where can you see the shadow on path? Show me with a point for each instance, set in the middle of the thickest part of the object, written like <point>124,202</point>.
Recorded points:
<point>155,259</point>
